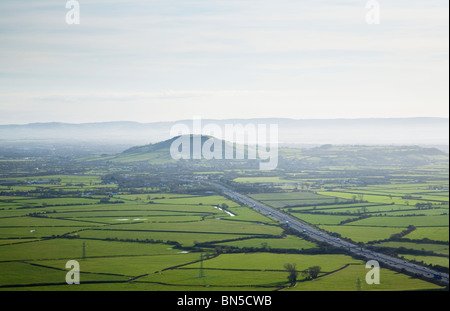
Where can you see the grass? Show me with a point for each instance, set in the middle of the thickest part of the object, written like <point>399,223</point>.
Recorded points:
<point>346,280</point>
<point>287,242</point>
<point>206,226</point>
<point>434,260</point>
<point>281,200</point>
<point>363,234</point>
<point>383,199</point>
<point>317,219</point>
<point>337,207</point>
<point>72,249</point>
<point>142,218</point>
<point>432,233</point>
<point>39,222</point>
<point>131,266</point>
<point>289,196</point>
<point>55,201</point>
<point>191,219</point>
<point>22,273</point>
<point>185,239</point>
<point>36,232</point>
<point>219,278</point>
<point>15,241</point>
<point>418,221</point>
<point>265,180</point>
<point>269,261</point>
<point>437,248</point>
<point>432,212</point>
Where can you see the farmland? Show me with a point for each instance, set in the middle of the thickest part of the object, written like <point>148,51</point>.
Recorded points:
<point>407,218</point>
<point>135,226</point>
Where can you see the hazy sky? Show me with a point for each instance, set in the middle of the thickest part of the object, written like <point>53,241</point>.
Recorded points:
<point>165,60</point>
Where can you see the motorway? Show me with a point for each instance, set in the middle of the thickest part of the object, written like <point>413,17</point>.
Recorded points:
<point>318,235</point>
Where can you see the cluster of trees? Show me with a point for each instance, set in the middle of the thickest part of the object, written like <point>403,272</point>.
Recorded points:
<point>254,188</point>
<point>405,251</point>
<point>422,206</point>
<point>346,221</point>
<point>400,235</point>
<point>131,181</point>
<point>108,201</point>
<point>41,214</point>
<point>150,241</point>
<point>417,241</point>
<point>310,273</point>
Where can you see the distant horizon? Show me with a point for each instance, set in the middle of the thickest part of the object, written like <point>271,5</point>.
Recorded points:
<point>225,119</point>
<point>416,130</point>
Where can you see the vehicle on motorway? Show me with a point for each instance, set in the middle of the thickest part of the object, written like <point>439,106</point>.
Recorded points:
<point>334,240</point>
<point>437,277</point>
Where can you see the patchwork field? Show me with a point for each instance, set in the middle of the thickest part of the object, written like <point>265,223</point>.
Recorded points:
<point>151,242</point>
<point>403,215</point>
<point>135,221</point>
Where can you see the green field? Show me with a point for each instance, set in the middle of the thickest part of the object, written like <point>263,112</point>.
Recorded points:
<point>417,221</point>
<point>288,199</point>
<point>115,243</point>
<point>317,219</point>
<point>436,248</point>
<point>433,233</point>
<point>375,212</point>
<point>285,242</point>
<point>138,226</point>
<point>434,260</point>
<point>363,234</point>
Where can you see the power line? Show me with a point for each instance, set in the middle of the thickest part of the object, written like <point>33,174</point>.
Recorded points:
<point>202,273</point>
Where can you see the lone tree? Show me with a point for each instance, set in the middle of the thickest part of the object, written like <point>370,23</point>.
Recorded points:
<point>83,256</point>
<point>358,284</point>
<point>312,272</point>
<point>293,273</point>
<point>361,197</point>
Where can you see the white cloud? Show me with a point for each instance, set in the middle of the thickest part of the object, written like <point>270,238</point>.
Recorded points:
<point>286,58</point>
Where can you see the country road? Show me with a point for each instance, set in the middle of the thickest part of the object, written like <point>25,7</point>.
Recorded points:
<point>318,235</point>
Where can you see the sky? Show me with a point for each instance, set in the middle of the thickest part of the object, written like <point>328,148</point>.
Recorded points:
<point>168,60</point>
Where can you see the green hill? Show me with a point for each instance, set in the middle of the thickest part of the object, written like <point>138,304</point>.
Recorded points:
<point>159,153</point>
<point>323,156</point>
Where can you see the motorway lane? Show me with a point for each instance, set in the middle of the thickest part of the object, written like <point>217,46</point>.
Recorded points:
<point>324,237</point>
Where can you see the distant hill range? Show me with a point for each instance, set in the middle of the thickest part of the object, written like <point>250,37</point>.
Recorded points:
<point>406,131</point>
<point>323,156</point>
